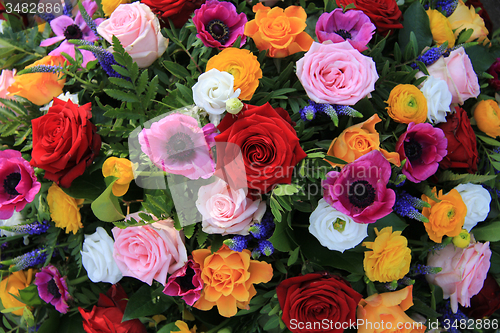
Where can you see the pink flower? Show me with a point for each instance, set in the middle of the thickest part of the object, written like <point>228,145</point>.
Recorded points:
<point>336,73</point>
<point>227,211</point>
<point>423,146</point>
<point>52,288</point>
<point>150,251</point>
<point>177,145</point>
<point>6,79</point>
<point>463,271</point>
<point>185,282</point>
<point>20,184</point>
<point>360,189</point>
<point>352,26</point>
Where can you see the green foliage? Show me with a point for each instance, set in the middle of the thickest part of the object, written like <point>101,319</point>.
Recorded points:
<point>416,30</point>
<point>147,301</point>
<point>106,207</point>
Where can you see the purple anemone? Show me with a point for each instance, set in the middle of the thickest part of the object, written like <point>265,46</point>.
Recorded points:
<point>185,282</point>
<point>52,288</point>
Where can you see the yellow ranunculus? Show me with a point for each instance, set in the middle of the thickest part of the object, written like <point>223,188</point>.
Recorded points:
<point>466,18</point>
<point>407,104</point>
<point>184,328</point>
<point>389,258</point>
<point>462,240</point>
<point>440,28</point>
<point>64,209</point>
<point>11,285</point>
<point>487,116</point>
<point>109,6</point>
<point>122,169</point>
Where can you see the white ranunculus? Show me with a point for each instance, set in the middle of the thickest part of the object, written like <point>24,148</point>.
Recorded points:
<point>438,99</point>
<point>477,199</point>
<point>97,257</point>
<point>63,97</point>
<point>212,91</point>
<point>335,230</point>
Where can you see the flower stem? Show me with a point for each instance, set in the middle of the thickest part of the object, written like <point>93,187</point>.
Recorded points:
<point>79,280</point>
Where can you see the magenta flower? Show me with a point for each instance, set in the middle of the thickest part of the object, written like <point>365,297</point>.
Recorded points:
<point>185,282</point>
<point>219,25</point>
<point>352,26</point>
<point>360,189</point>
<point>423,146</point>
<point>52,288</point>
<point>19,183</point>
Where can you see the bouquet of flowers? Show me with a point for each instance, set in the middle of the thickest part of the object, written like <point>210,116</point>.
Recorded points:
<point>245,166</point>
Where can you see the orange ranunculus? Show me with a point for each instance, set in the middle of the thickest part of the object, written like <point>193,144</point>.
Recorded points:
<point>122,169</point>
<point>440,28</point>
<point>11,285</point>
<point>446,217</point>
<point>358,140</point>
<point>487,115</point>
<point>229,277</point>
<point>465,17</point>
<point>407,104</point>
<point>279,31</point>
<point>243,65</point>
<point>40,88</point>
<point>386,313</point>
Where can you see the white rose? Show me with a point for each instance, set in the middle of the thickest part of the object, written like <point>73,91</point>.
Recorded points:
<point>477,199</point>
<point>63,97</point>
<point>212,91</point>
<point>335,230</point>
<point>438,99</point>
<point>15,219</point>
<point>97,257</point>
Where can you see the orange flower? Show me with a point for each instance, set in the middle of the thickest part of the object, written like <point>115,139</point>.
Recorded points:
<point>440,28</point>
<point>229,277</point>
<point>184,328</point>
<point>446,217</point>
<point>122,169</point>
<point>279,31</point>
<point>40,88</point>
<point>487,115</point>
<point>466,18</point>
<point>11,285</point>
<point>407,104</point>
<point>358,140</point>
<point>386,313</point>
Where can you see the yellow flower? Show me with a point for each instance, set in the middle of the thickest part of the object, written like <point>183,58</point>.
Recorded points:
<point>487,116</point>
<point>122,169</point>
<point>440,28</point>
<point>243,65</point>
<point>109,6</point>
<point>64,209</point>
<point>11,285</point>
<point>466,18</point>
<point>390,257</point>
<point>462,240</point>
<point>184,328</point>
<point>407,104</point>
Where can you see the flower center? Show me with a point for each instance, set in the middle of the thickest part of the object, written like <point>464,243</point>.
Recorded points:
<point>413,150</point>
<point>180,147</point>
<point>219,30</point>
<point>186,281</point>
<point>344,34</point>
<point>52,288</point>
<point>73,32</point>
<point>412,102</point>
<point>10,182</point>
<point>339,225</point>
<point>361,194</point>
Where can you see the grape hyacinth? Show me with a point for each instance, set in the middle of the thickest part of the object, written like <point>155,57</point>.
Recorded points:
<point>308,113</point>
<point>42,69</point>
<point>35,228</point>
<point>46,17</point>
<point>431,55</point>
<point>266,247</point>
<point>30,259</point>
<point>408,206</point>
<point>449,317</point>
<point>265,228</point>
<point>420,269</point>
<point>238,243</point>
<point>256,253</point>
<point>68,8</point>
<point>105,58</point>
<point>447,6</point>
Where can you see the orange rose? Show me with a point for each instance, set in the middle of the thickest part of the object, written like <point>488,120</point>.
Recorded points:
<point>466,18</point>
<point>229,277</point>
<point>40,88</point>
<point>279,31</point>
<point>11,285</point>
<point>446,217</point>
<point>386,313</point>
<point>122,169</point>
<point>358,140</point>
<point>487,115</point>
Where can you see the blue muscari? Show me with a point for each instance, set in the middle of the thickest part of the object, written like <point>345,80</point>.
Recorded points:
<point>309,112</point>
<point>447,6</point>
<point>68,8</point>
<point>46,17</point>
<point>30,259</point>
<point>238,243</point>
<point>431,55</point>
<point>105,58</point>
<point>419,269</point>
<point>42,69</point>
<point>448,318</point>
<point>266,247</point>
<point>256,253</point>
<point>265,228</point>
<point>35,228</point>
<point>408,206</point>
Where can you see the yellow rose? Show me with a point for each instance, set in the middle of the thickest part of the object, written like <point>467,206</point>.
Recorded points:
<point>64,209</point>
<point>11,285</point>
<point>487,115</point>
<point>358,140</point>
<point>122,169</point>
<point>407,104</point>
<point>109,6</point>
<point>440,28</point>
<point>466,18</point>
<point>390,257</point>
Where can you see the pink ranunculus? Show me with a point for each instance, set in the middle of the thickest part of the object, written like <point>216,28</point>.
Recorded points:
<point>150,251</point>
<point>227,211</point>
<point>6,79</point>
<point>185,282</point>
<point>138,30</point>
<point>463,271</point>
<point>336,73</point>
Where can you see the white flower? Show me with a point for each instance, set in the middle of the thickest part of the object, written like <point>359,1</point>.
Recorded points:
<point>438,99</point>
<point>63,97</point>
<point>16,219</point>
<point>477,199</point>
<point>335,230</point>
<point>97,257</point>
<point>212,91</point>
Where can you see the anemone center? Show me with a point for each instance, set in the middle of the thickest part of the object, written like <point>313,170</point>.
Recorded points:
<point>344,34</point>
<point>413,150</point>
<point>361,194</point>
<point>52,288</point>
<point>186,281</point>
<point>180,146</point>
<point>10,182</point>
<point>73,32</point>
<point>219,30</point>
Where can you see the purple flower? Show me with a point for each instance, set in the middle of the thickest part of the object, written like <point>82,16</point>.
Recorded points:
<point>19,183</point>
<point>352,26</point>
<point>360,189</point>
<point>185,282</point>
<point>219,25</point>
<point>423,146</point>
<point>52,288</point>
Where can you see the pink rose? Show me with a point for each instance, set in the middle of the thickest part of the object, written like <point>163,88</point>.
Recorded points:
<point>138,30</point>
<point>227,211</point>
<point>150,251</point>
<point>336,73</point>
<point>463,271</point>
<point>6,79</point>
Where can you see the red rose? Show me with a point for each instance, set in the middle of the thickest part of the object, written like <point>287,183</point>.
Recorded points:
<point>462,146</point>
<point>486,302</point>
<point>385,14</point>
<point>268,143</point>
<point>314,297</point>
<point>107,316</point>
<point>178,11</point>
<point>494,71</point>
<point>65,142</point>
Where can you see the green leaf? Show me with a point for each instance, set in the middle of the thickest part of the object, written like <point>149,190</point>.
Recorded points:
<point>189,230</point>
<point>488,140</point>
<point>170,327</point>
<point>121,82</point>
<point>29,295</point>
<point>464,36</point>
<point>272,323</point>
<point>480,57</point>
<point>146,302</point>
<point>415,21</point>
<point>176,70</point>
<point>335,160</point>
<point>106,207</point>
<point>293,256</point>
<point>121,95</point>
<point>282,239</point>
<point>87,186</point>
<point>490,232</point>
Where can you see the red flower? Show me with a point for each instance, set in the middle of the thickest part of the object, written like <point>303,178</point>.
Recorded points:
<point>494,71</point>
<point>268,143</point>
<point>178,11</point>
<point>65,142</point>
<point>107,316</point>
<point>486,302</point>
<point>318,298</point>
<point>462,146</point>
